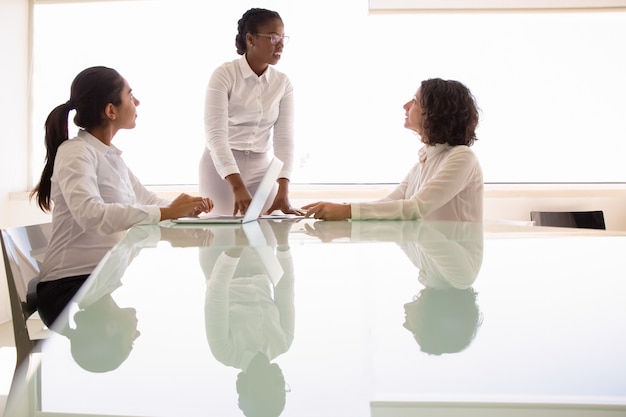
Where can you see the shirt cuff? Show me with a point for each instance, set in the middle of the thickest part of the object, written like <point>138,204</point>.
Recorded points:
<point>228,260</point>
<point>355,211</point>
<point>228,170</point>
<point>355,231</point>
<point>154,215</point>
<point>285,174</point>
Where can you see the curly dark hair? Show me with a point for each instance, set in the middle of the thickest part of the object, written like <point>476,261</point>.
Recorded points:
<point>249,23</point>
<point>450,113</point>
<point>449,320</point>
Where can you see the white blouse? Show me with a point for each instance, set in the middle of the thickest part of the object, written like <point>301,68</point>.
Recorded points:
<point>446,184</point>
<point>96,198</point>
<point>246,112</point>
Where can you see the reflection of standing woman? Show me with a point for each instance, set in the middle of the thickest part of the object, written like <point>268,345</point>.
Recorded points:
<point>249,119</point>
<point>249,318</point>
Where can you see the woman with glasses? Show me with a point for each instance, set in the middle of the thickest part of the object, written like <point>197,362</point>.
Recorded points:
<point>249,119</point>
<point>446,183</point>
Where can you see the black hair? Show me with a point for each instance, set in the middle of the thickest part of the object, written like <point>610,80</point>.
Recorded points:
<point>102,339</point>
<point>249,23</point>
<point>91,91</point>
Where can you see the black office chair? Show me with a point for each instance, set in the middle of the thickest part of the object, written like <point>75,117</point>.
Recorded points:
<point>577,219</point>
<point>20,246</point>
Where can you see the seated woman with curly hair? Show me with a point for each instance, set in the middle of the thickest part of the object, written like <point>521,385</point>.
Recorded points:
<point>447,181</point>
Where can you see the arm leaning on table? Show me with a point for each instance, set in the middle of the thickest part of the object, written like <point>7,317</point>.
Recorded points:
<point>447,187</point>
<point>452,190</point>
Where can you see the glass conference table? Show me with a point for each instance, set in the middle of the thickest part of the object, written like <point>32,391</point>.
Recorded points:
<point>309,318</point>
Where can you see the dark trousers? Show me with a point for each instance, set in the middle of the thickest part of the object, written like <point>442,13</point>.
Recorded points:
<point>53,296</point>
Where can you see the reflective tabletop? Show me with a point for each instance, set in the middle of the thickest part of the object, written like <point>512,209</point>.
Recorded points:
<point>372,318</point>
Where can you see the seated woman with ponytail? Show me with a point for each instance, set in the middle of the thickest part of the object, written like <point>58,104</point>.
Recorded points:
<point>93,196</point>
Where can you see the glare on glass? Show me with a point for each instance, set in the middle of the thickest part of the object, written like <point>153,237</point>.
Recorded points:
<point>275,37</point>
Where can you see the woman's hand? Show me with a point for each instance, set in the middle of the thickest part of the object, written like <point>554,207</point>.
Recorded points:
<point>283,205</point>
<point>281,201</point>
<point>242,201</point>
<point>186,206</point>
<point>328,211</point>
<point>241,194</point>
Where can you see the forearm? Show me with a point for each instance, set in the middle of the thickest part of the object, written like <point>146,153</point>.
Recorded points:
<point>236,182</point>
<point>283,187</point>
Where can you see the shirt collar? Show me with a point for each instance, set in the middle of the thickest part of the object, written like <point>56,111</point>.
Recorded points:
<point>429,151</point>
<point>247,71</point>
<point>95,142</point>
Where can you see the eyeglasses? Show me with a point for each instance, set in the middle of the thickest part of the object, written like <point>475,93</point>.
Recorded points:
<point>275,37</point>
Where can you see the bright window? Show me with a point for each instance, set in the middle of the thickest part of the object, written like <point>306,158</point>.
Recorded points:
<point>550,85</point>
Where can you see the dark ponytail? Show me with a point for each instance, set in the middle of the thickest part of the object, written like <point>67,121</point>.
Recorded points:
<point>249,23</point>
<point>56,133</point>
<point>91,91</point>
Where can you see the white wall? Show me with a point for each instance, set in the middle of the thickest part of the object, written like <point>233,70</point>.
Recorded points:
<point>13,114</point>
<point>549,85</point>
<point>13,101</point>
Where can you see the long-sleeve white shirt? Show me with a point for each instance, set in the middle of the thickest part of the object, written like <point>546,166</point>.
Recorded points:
<point>448,254</point>
<point>96,198</point>
<point>246,112</point>
<point>245,314</point>
<point>446,184</point>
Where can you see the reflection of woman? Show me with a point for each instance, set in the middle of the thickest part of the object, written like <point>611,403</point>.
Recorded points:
<point>448,254</point>
<point>249,320</point>
<point>101,332</point>
<point>103,335</point>
<point>443,317</point>
<point>443,320</point>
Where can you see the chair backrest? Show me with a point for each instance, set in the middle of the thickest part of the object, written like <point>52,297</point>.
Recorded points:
<point>22,250</point>
<point>577,219</point>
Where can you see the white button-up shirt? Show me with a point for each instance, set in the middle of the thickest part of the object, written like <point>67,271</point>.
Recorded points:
<point>446,184</point>
<point>246,112</point>
<point>243,317</point>
<point>96,198</point>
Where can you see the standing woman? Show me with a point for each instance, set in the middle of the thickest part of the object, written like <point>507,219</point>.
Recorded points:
<point>93,195</point>
<point>249,119</point>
